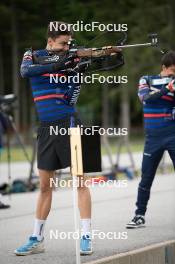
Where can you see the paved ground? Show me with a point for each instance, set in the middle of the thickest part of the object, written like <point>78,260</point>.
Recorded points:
<point>112,209</point>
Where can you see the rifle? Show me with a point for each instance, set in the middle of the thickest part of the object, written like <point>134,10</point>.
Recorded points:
<point>104,58</point>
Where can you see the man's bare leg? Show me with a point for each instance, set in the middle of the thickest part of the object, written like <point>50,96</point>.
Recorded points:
<point>84,203</point>
<point>35,243</point>
<point>43,203</point>
<point>45,195</point>
<point>84,200</point>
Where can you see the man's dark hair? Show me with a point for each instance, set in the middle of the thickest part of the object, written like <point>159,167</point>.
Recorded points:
<point>169,59</point>
<point>58,28</point>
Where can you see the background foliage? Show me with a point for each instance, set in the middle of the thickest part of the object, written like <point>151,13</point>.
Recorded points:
<point>23,24</point>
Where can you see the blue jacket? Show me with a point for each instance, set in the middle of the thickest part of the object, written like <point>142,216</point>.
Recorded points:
<point>54,100</point>
<point>157,107</point>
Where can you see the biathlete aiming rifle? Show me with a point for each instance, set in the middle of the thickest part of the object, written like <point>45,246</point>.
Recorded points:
<point>105,58</point>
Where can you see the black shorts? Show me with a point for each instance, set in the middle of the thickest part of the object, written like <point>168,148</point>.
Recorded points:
<point>53,151</point>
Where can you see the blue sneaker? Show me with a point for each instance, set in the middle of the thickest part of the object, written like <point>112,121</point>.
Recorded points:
<point>33,246</point>
<point>85,245</point>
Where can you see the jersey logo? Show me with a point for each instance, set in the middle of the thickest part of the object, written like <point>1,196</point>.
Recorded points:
<point>147,154</point>
<point>161,81</point>
<point>142,81</point>
<point>54,58</point>
<point>28,55</point>
<point>28,52</point>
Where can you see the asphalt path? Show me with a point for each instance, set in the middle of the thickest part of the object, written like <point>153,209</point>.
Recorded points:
<point>113,207</point>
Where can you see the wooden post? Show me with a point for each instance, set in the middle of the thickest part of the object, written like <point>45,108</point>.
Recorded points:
<point>76,170</point>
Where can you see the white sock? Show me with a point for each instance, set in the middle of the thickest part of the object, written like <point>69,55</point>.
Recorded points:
<point>86,226</point>
<point>39,229</point>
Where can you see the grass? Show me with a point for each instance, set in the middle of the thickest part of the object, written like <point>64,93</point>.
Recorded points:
<point>16,153</point>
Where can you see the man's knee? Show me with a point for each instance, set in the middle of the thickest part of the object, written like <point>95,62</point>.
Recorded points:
<point>146,182</point>
<point>81,182</point>
<point>82,188</point>
<point>147,179</point>
<point>45,181</point>
<point>45,188</point>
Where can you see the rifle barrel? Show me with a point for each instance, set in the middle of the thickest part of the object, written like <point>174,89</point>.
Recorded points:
<point>137,45</point>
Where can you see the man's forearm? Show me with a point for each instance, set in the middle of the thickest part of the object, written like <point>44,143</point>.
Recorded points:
<point>34,70</point>
<point>155,94</point>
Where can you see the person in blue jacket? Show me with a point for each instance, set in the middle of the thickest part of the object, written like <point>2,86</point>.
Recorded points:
<point>55,105</point>
<point>157,94</point>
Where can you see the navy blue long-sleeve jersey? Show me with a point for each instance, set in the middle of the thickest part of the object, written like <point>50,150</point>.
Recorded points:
<point>53,100</point>
<point>158,102</point>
